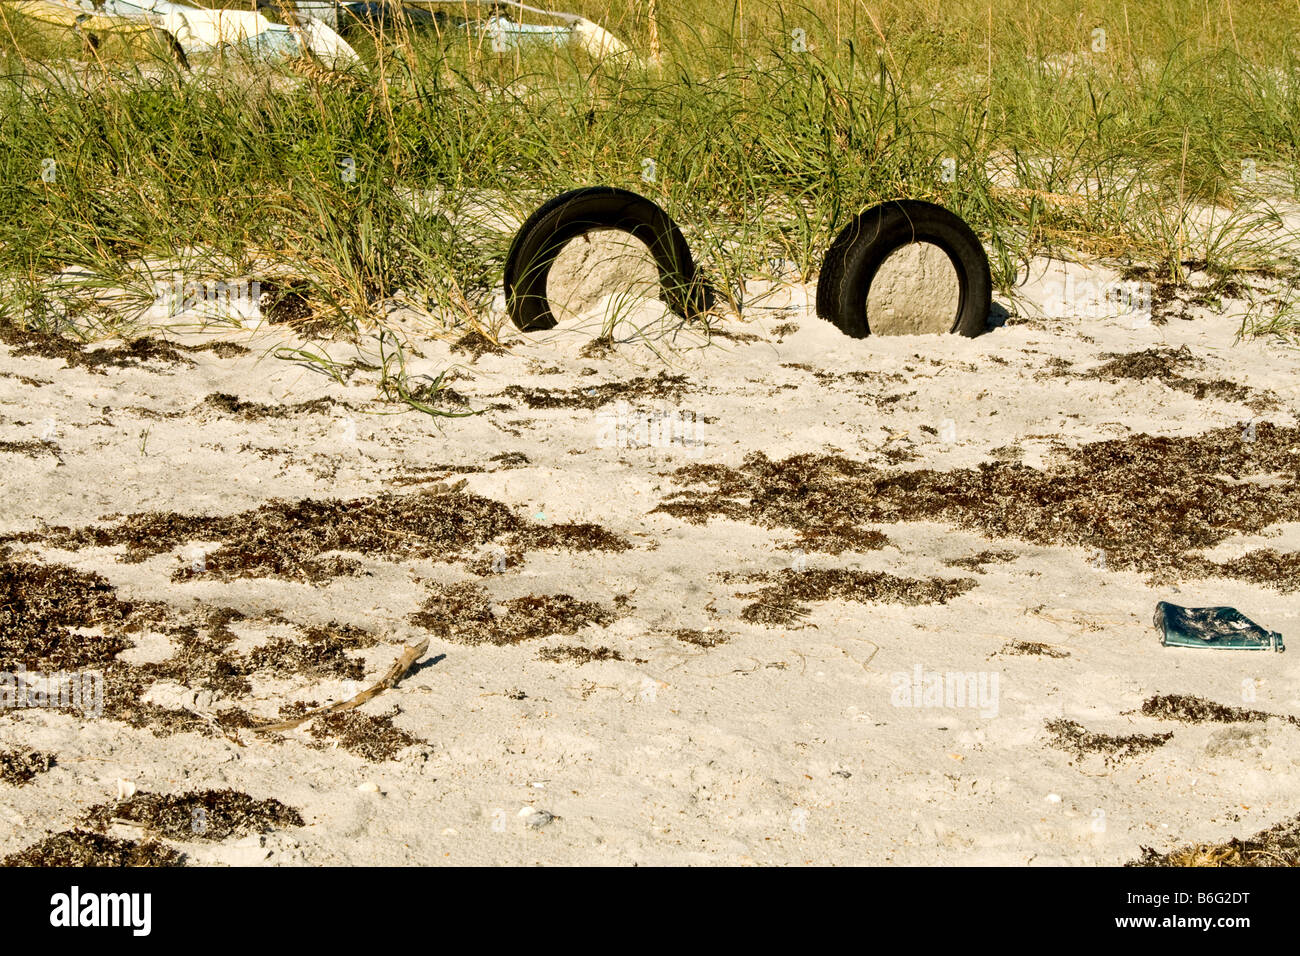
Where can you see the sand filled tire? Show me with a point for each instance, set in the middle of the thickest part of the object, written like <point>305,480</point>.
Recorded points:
<point>578,212</point>
<point>865,243</point>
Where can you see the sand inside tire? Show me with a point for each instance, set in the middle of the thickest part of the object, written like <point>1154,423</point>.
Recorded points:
<point>915,292</point>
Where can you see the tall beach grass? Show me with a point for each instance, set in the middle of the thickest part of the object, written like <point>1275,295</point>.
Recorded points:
<point>1159,132</point>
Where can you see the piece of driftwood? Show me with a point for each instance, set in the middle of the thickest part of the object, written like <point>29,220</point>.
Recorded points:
<point>409,656</point>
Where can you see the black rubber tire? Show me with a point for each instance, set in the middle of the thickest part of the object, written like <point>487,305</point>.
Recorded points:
<point>580,211</point>
<point>865,243</point>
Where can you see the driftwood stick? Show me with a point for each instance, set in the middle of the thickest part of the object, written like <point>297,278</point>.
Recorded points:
<point>409,656</point>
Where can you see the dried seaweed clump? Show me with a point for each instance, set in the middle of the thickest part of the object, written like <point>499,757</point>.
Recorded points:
<point>201,658</point>
<point>661,386</point>
<point>709,638</point>
<point>477,345</point>
<point>41,605</point>
<point>24,342</point>
<point>320,654</point>
<point>976,562</point>
<point>297,540</point>
<point>1150,503</point>
<point>1275,569</point>
<point>1198,710</point>
<point>30,449</point>
<point>1148,363</point>
<point>283,538</point>
<point>81,848</point>
<point>806,493</point>
<point>577,654</point>
<point>1031,649</point>
<point>1277,846</point>
<point>1164,364</point>
<point>463,612</point>
<point>1072,737</point>
<point>231,405</point>
<point>371,737</point>
<point>198,815</point>
<point>785,601</point>
<point>55,619</point>
<point>17,767</point>
<point>220,348</point>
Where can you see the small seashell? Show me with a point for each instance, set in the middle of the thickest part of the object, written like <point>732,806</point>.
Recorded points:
<point>535,819</point>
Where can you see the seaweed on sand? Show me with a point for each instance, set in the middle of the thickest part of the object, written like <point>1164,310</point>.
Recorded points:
<point>81,848</point>
<point>463,612</point>
<point>785,601</point>
<point>1071,736</point>
<point>296,539</point>
<point>1279,845</point>
<point>197,815</point>
<point>1149,502</point>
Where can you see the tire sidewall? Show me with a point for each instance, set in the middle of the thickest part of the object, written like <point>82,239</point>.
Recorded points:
<point>874,235</point>
<point>576,213</point>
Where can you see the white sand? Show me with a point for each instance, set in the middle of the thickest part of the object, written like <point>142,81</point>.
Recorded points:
<point>779,746</point>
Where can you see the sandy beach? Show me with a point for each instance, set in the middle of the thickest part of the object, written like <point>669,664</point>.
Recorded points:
<point>769,596</point>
